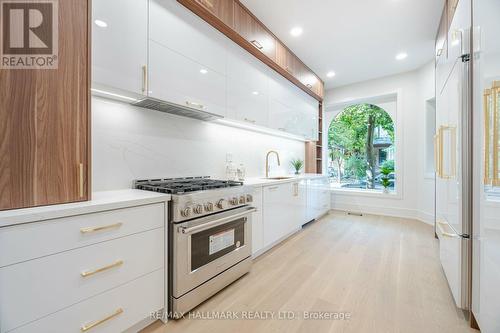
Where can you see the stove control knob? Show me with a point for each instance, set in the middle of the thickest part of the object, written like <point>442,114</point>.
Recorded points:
<point>249,198</point>
<point>198,209</point>
<point>186,212</point>
<point>233,201</point>
<point>220,204</point>
<point>209,207</point>
<point>242,199</point>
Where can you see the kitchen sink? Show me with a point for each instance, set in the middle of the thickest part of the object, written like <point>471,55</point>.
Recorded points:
<point>278,178</point>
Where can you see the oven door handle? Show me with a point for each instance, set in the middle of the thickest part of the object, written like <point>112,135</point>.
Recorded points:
<point>205,226</point>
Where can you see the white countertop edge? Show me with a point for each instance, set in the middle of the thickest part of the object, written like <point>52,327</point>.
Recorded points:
<point>262,181</point>
<point>101,201</point>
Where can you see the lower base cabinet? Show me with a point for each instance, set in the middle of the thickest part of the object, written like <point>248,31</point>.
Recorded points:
<point>318,198</point>
<point>99,270</point>
<point>113,311</point>
<point>284,208</point>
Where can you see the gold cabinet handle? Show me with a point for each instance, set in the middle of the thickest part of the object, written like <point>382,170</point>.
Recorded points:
<point>102,269</point>
<point>80,180</point>
<point>453,142</point>
<point>495,91</point>
<point>486,157</point>
<point>257,44</point>
<point>144,79</point>
<point>87,327</point>
<point>436,154</point>
<point>100,228</point>
<point>196,105</point>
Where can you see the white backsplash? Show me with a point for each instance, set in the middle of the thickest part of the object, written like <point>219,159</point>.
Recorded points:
<point>131,143</point>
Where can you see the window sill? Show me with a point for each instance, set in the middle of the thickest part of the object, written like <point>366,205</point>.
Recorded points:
<point>366,193</point>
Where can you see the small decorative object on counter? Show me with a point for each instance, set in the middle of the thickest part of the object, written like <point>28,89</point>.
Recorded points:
<point>297,165</point>
<point>241,172</point>
<point>231,171</point>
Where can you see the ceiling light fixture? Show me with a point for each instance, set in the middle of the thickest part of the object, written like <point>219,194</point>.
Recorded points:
<point>401,56</point>
<point>100,23</point>
<point>331,74</point>
<point>255,92</point>
<point>203,71</point>
<point>296,31</point>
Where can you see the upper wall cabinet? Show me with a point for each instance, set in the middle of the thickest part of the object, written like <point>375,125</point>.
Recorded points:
<point>222,9</point>
<point>187,68</point>
<point>248,32</point>
<point>120,44</point>
<point>252,30</point>
<point>190,63</point>
<point>183,32</point>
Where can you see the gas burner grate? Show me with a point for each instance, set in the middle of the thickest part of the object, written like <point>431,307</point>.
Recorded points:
<point>183,185</point>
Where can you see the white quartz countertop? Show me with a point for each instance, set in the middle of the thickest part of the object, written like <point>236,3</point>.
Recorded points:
<point>262,181</point>
<point>101,201</point>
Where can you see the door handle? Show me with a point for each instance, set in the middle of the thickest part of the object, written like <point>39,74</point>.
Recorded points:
<point>453,151</point>
<point>486,158</point>
<point>257,44</point>
<point>196,105</point>
<point>444,233</point>
<point>205,226</point>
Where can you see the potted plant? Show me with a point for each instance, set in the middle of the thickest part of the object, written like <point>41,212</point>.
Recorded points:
<point>297,165</point>
<point>386,169</point>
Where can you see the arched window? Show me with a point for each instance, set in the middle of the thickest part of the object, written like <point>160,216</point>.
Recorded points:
<point>361,148</point>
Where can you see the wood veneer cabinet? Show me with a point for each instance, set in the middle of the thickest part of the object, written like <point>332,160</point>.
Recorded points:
<point>253,31</point>
<point>44,121</point>
<point>248,32</point>
<point>222,9</point>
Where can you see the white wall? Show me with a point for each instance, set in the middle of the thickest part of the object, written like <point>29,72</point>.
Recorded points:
<point>131,143</point>
<point>417,192</point>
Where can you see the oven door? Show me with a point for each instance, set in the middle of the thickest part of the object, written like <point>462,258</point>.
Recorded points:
<point>205,247</point>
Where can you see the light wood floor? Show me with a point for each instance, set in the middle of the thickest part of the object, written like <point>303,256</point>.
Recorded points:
<point>384,271</point>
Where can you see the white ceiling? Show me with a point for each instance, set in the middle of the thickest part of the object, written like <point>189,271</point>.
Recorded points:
<point>358,39</point>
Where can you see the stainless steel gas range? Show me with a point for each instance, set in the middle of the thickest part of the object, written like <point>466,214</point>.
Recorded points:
<point>210,236</point>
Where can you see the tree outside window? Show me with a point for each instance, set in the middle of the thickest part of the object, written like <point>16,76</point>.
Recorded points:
<point>361,148</point>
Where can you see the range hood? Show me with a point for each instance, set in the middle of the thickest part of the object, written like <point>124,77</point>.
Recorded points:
<point>172,108</point>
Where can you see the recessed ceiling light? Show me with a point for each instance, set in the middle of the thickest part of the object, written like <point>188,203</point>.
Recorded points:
<point>401,56</point>
<point>331,74</point>
<point>100,23</point>
<point>203,71</point>
<point>255,92</point>
<point>296,31</point>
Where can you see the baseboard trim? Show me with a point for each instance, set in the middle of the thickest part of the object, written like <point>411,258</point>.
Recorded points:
<point>384,211</point>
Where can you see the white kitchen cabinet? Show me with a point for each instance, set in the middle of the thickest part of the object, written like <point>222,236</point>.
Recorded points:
<point>318,198</point>
<point>247,87</point>
<point>291,110</point>
<point>90,259</point>
<point>246,103</point>
<point>257,221</point>
<point>282,210</point>
<point>178,79</point>
<point>171,54</point>
<point>119,45</point>
<point>174,26</point>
